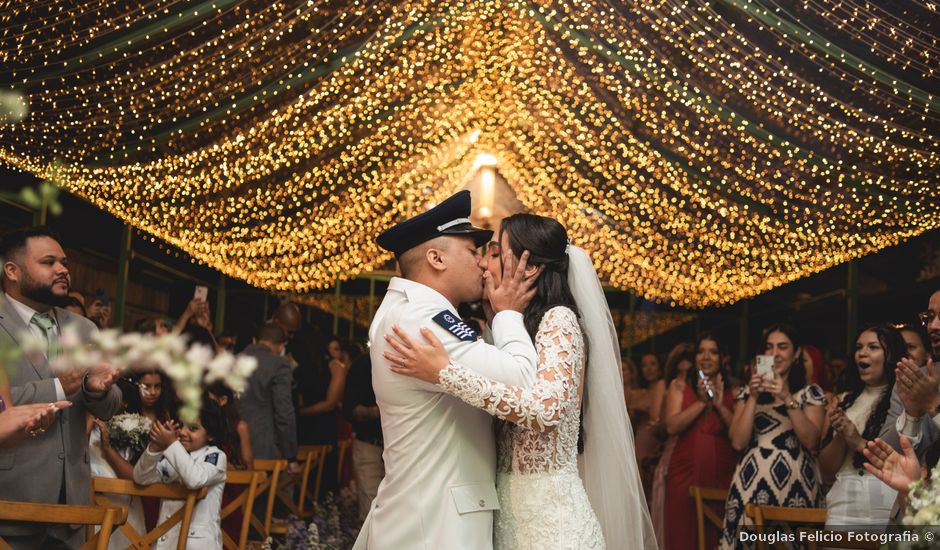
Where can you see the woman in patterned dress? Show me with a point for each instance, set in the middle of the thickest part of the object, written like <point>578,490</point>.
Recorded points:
<point>779,423</point>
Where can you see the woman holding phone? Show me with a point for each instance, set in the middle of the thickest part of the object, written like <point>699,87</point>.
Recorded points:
<point>778,420</point>
<point>698,413</point>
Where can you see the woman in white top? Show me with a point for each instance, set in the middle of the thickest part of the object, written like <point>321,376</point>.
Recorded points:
<point>858,497</point>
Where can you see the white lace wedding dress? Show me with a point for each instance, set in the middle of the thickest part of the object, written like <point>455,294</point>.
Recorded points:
<point>542,499</point>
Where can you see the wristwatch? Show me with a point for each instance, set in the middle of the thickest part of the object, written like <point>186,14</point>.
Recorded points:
<point>793,404</point>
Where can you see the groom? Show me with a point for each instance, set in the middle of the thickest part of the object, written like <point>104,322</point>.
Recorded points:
<point>440,456</point>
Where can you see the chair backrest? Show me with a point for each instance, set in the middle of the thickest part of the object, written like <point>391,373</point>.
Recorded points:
<point>274,470</point>
<point>245,501</point>
<point>310,455</point>
<point>702,511</point>
<point>342,446</point>
<point>764,514</point>
<point>102,486</point>
<point>107,517</point>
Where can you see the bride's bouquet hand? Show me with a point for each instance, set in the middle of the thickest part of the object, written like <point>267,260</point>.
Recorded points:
<point>421,361</point>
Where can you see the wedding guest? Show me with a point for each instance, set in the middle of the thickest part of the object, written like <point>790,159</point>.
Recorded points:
<point>266,402</point>
<point>107,460</point>
<point>859,497</point>
<point>817,372</point>
<point>838,367</point>
<point>360,407</point>
<point>777,422</point>
<point>189,455</point>
<point>702,455</point>
<point>237,442</point>
<point>72,305</point>
<point>917,342</point>
<point>35,279</point>
<point>157,398</point>
<point>153,324</point>
<point>647,400</point>
<point>628,369</point>
<point>99,310</point>
<point>678,362</point>
<point>915,402</point>
<point>320,396</point>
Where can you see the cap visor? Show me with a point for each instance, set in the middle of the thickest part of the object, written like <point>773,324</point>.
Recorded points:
<point>480,236</point>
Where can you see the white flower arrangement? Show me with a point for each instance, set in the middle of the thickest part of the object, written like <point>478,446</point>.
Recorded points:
<point>923,501</point>
<point>129,433</point>
<point>189,367</point>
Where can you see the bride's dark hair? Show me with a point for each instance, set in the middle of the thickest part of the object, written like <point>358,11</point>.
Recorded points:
<point>547,241</point>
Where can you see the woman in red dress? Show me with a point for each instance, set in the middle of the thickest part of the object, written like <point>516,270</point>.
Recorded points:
<point>703,454</point>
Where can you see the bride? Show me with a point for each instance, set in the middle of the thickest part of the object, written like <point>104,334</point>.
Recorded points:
<point>544,501</point>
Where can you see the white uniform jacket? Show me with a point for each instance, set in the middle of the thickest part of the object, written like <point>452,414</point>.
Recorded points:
<point>204,467</point>
<point>439,489</point>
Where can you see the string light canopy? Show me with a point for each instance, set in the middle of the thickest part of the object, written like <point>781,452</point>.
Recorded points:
<point>702,151</point>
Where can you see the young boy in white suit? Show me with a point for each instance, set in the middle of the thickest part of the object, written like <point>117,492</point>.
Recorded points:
<point>188,455</point>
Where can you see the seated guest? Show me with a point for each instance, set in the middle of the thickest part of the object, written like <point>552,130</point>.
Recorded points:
<point>858,497</point>
<point>189,455</point>
<point>702,455</point>
<point>777,422</point>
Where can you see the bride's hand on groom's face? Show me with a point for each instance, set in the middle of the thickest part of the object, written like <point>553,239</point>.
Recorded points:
<point>422,361</point>
<point>516,287</point>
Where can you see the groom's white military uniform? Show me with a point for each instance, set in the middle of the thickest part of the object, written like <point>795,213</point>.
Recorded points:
<point>439,489</point>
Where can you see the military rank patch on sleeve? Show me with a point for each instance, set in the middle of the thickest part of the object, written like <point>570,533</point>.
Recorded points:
<point>213,458</point>
<point>455,326</point>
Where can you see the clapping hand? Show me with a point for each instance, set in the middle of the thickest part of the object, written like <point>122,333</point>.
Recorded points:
<point>16,423</point>
<point>918,390</point>
<point>162,435</point>
<point>845,428</point>
<point>101,378</point>
<point>896,470</point>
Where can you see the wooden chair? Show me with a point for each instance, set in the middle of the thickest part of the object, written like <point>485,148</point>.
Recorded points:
<point>703,512</point>
<point>274,470</point>
<point>244,502</point>
<point>860,545</point>
<point>311,455</point>
<point>763,514</point>
<point>107,517</point>
<point>103,486</point>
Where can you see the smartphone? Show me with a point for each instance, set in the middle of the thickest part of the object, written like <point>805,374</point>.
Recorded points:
<point>202,293</point>
<point>708,386</point>
<point>765,366</point>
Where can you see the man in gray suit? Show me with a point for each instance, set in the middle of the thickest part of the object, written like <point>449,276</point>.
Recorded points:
<point>52,465</point>
<point>266,403</point>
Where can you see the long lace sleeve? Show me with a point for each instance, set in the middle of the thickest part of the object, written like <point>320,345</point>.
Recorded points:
<point>560,347</point>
